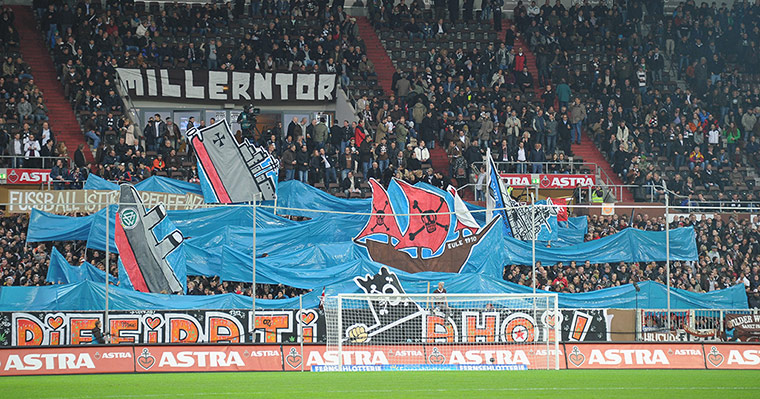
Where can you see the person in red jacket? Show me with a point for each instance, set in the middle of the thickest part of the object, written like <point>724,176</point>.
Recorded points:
<point>158,164</point>
<point>359,134</point>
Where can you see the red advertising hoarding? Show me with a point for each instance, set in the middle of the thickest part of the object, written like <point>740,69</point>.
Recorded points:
<point>66,360</point>
<point>90,359</point>
<point>317,355</point>
<point>208,358</point>
<point>27,176</point>
<point>553,181</point>
<point>634,356</point>
<point>732,356</point>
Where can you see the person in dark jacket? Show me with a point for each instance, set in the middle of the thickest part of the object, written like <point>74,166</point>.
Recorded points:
<point>97,335</point>
<point>315,168</point>
<point>537,158</point>
<point>429,130</point>
<point>365,154</point>
<point>350,185</point>
<point>564,130</point>
<point>288,162</point>
<point>302,164</point>
<point>79,159</point>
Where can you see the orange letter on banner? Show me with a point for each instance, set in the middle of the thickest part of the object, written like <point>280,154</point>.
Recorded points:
<point>118,325</point>
<point>308,334</point>
<point>473,331</point>
<point>270,324</point>
<point>435,336</point>
<point>28,333</point>
<point>184,331</point>
<point>579,327</point>
<point>222,330</point>
<point>79,325</point>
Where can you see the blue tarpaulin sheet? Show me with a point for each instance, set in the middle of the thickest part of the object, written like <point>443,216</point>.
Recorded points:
<point>321,253</point>
<point>90,296</point>
<point>157,184</point>
<point>61,272</point>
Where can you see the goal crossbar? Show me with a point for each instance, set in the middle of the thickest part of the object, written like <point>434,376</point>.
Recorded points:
<point>503,328</point>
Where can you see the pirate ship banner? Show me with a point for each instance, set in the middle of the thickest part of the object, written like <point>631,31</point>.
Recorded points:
<point>418,230</point>
<point>173,85</point>
<point>231,171</point>
<point>412,229</point>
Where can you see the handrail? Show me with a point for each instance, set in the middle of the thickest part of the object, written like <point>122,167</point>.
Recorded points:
<point>18,160</point>
<point>134,116</point>
<point>575,166</point>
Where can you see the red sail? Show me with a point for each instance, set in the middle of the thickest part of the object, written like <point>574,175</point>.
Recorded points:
<point>380,223</point>
<point>427,229</point>
<point>561,208</point>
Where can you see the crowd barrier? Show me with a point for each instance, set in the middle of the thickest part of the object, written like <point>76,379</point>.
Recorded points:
<point>96,359</point>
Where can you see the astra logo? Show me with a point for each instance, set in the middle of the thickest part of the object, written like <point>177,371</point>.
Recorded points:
<point>49,361</point>
<point>628,356</point>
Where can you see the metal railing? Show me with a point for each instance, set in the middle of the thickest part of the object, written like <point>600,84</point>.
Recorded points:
<point>575,167</point>
<point>686,325</point>
<point>132,112</point>
<point>13,161</point>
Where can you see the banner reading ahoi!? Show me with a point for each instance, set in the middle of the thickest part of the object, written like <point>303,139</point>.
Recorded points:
<point>227,86</point>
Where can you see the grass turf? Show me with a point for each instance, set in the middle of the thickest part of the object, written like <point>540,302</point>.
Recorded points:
<point>442,384</point>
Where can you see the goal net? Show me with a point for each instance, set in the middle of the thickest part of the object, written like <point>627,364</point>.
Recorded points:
<point>443,331</point>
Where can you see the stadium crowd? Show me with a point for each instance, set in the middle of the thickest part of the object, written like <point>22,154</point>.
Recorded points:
<point>601,75</point>
<point>612,88</point>
<point>25,129</point>
<point>464,100</point>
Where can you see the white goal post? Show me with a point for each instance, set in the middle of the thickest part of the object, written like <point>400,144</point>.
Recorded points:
<point>443,331</point>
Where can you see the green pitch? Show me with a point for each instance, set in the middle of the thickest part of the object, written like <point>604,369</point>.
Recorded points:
<point>443,384</point>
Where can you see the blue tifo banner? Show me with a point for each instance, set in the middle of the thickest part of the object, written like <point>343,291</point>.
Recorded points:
<point>157,184</point>
<point>61,272</point>
<point>331,249</point>
<point>90,296</point>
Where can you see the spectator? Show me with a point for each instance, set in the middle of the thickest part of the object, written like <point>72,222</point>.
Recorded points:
<point>91,130</point>
<point>350,185</point>
<point>537,159</point>
<point>302,164</point>
<point>289,162</point>
<point>158,164</point>
<point>32,152</point>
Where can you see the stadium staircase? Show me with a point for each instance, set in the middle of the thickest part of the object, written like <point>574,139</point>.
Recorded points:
<point>587,151</point>
<point>384,69</point>
<point>376,53</point>
<point>590,154</point>
<point>530,58</point>
<point>63,121</point>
